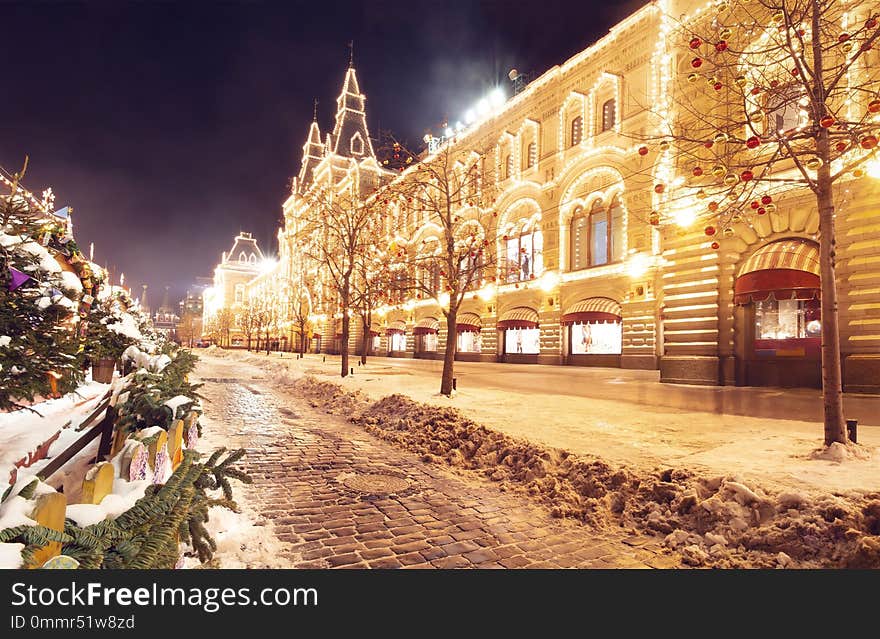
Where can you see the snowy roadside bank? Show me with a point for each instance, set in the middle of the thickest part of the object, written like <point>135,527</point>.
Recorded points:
<point>712,519</point>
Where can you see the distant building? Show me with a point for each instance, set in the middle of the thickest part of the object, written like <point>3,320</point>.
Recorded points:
<point>228,291</point>
<point>165,319</point>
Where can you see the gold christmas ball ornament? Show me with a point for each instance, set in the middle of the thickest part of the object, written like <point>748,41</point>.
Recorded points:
<point>725,33</point>
<point>727,232</point>
<point>814,163</point>
<point>719,170</point>
<point>770,208</point>
<point>756,116</point>
<point>664,145</point>
<point>693,77</point>
<point>701,194</point>
<point>736,218</point>
<point>741,81</point>
<point>720,138</point>
<point>731,179</point>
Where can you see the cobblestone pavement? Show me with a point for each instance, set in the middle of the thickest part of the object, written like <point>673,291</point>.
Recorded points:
<point>345,499</point>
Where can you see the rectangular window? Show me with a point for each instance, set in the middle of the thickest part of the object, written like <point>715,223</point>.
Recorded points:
<point>469,342</point>
<point>512,259</point>
<point>599,338</point>
<point>599,240</point>
<point>579,243</point>
<point>428,343</point>
<point>525,341</point>
<point>537,253</point>
<point>786,319</point>
<point>398,342</point>
<point>608,115</point>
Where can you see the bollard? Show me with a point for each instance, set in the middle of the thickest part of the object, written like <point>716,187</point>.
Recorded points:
<point>453,383</point>
<point>852,430</point>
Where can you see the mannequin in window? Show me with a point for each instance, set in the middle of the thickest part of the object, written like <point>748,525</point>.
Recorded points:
<point>525,265</point>
<point>519,342</point>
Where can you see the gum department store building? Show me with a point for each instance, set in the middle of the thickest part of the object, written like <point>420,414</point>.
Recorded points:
<point>595,284</point>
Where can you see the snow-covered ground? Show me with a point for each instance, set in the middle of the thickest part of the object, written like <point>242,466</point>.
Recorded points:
<point>774,452</point>
<point>718,501</point>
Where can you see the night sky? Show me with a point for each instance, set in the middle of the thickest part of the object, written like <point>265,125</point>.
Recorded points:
<point>169,127</point>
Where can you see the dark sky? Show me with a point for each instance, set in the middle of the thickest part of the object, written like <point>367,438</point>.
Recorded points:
<point>171,126</point>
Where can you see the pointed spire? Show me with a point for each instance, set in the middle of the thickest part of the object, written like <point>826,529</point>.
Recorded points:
<point>351,138</point>
<point>315,111</point>
<point>351,54</point>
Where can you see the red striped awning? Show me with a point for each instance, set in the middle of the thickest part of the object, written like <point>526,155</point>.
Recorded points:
<point>374,333</point>
<point>592,310</point>
<point>468,322</point>
<point>426,325</point>
<point>395,327</point>
<point>519,317</point>
<point>785,269</point>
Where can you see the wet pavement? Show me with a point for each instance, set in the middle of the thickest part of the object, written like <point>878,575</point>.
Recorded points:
<point>342,498</point>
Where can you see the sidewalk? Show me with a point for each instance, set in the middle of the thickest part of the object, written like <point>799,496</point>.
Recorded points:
<point>626,417</point>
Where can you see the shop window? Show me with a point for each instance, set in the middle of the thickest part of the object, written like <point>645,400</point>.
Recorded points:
<point>469,342</point>
<point>524,255</point>
<point>787,319</point>
<point>596,338</point>
<point>429,342</point>
<point>525,341</point>
<point>398,342</point>
<point>470,271</point>
<point>377,343</point>
<point>609,114</point>
<point>239,293</point>
<point>577,131</point>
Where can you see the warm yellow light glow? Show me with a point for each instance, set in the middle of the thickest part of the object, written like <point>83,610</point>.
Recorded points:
<point>443,299</point>
<point>549,281</point>
<point>685,216</point>
<point>487,292</point>
<point>872,168</point>
<point>637,265</point>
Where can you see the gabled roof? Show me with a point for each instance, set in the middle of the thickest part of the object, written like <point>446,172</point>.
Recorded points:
<point>313,151</point>
<point>245,244</point>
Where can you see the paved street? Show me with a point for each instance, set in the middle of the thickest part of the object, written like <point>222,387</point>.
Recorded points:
<point>345,499</point>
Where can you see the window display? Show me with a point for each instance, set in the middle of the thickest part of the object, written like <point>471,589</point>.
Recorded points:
<point>377,343</point>
<point>525,341</point>
<point>596,338</point>
<point>787,319</point>
<point>469,342</point>
<point>398,342</point>
<point>428,342</point>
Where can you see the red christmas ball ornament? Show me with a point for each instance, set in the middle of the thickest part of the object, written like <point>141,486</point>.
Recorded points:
<point>766,199</point>
<point>843,37</point>
<point>721,46</point>
<point>717,86</point>
<point>698,171</point>
<point>697,63</point>
<point>827,122</point>
<point>756,90</point>
<point>774,84</point>
<point>753,142</point>
<point>802,32</point>
<point>659,188</point>
<point>754,204</point>
<point>746,175</point>
<point>710,230</point>
<point>643,150</point>
<point>516,285</point>
<point>874,106</point>
<point>532,276</point>
<point>504,238</point>
<point>866,46</point>
<point>708,144</point>
<point>761,210</point>
<point>654,218</point>
<point>841,147</point>
<point>795,72</point>
<point>868,142</point>
<point>715,246</point>
<point>713,206</point>
<point>695,43</point>
<point>871,23</point>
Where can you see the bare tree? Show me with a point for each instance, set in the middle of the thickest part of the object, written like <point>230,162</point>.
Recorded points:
<point>776,95</point>
<point>224,321</point>
<point>370,285</point>
<point>342,227</point>
<point>249,322</point>
<point>447,190</point>
<point>187,328</point>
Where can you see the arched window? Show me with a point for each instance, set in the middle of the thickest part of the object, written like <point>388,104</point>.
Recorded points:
<point>609,115</point>
<point>523,253</point>
<point>508,166</point>
<point>253,259</point>
<point>577,131</point>
<point>531,155</point>
<point>242,257</point>
<point>596,236</point>
<point>357,144</point>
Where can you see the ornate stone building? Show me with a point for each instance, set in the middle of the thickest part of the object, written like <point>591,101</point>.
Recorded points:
<point>584,276</point>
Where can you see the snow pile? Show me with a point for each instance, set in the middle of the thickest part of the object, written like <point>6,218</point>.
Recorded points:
<point>127,326</point>
<point>709,521</point>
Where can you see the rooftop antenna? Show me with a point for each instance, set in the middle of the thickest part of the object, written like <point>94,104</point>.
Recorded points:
<point>350,54</point>
<point>315,111</point>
